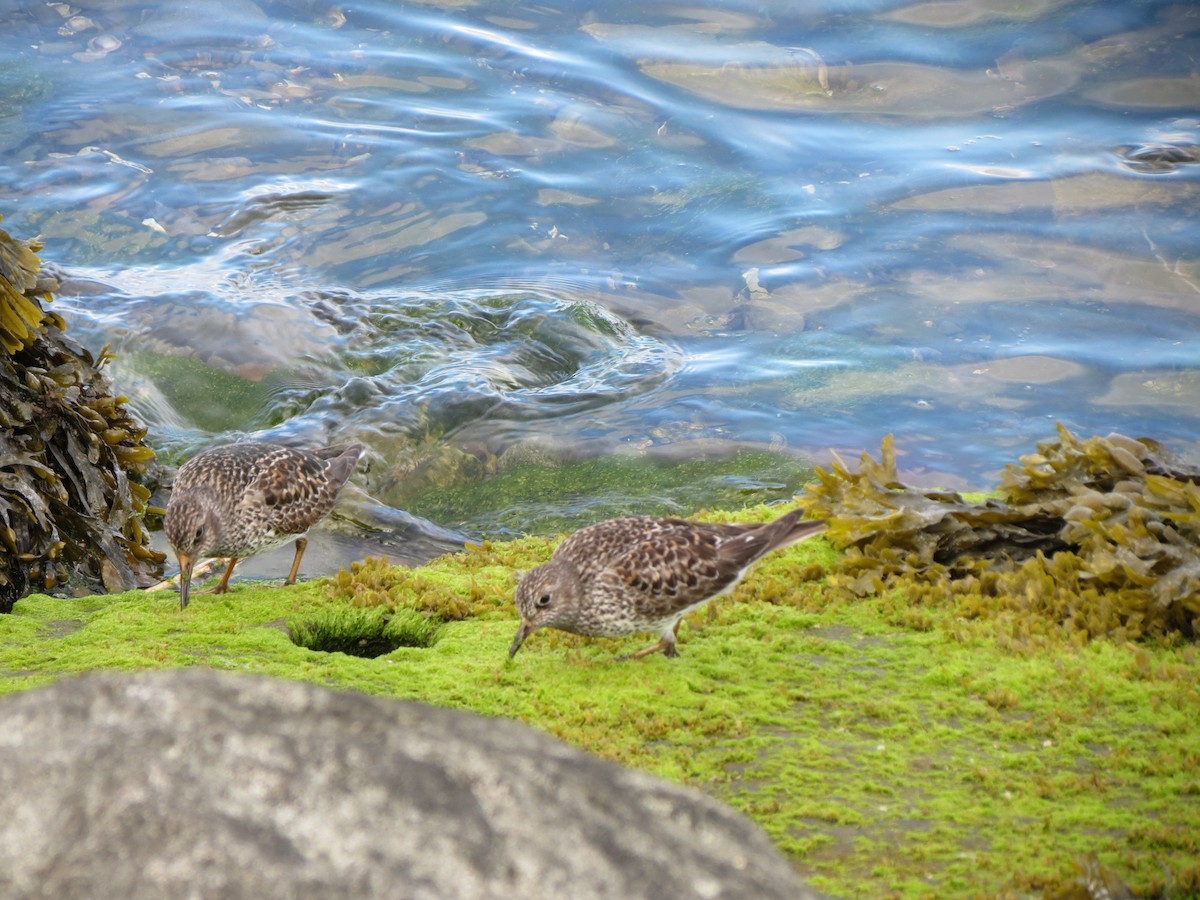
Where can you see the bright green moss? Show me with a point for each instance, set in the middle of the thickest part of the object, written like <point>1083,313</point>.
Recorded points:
<point>889,753</point>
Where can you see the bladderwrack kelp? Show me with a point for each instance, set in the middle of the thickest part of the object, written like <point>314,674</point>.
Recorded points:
<point>1099,536</point>
<point>71,505</point>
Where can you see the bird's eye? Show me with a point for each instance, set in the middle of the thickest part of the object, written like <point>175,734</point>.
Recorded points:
<point>543,601</point>
<point>199,533</point>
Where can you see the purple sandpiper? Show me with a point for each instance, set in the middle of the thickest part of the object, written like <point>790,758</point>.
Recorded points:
<point>234,501</point>
<point>644,573</point>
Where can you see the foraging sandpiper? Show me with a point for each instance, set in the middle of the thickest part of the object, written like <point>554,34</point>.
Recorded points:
<point>644,573</point>
<point>241,499</point>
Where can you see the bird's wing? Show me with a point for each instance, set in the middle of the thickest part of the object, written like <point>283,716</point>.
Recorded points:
<point>294,485</point>
<point>672,557</point>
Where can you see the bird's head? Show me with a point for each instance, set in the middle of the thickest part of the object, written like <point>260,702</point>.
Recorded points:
<point>548,596</point>
<point>193,529</point>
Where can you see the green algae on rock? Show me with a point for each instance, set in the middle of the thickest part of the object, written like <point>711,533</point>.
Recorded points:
<point>564,493</point>
<point>71,501</point>
<point>1088,538</point>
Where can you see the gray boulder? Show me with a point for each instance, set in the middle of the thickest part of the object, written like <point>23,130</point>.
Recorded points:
<point>199,783</point>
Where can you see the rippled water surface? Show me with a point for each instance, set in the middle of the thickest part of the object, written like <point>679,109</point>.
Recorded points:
<point>486,238</point>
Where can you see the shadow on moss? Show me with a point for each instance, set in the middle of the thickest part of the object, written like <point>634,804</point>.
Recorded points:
<point>367,632</point>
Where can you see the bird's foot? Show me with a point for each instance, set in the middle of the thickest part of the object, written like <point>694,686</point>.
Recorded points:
<point>667,648</point>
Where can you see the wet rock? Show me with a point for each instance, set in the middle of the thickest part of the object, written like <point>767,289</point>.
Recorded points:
<point>1172,389</point>
<point>227,22</point>
<point>1030,369</point>
<point>786,246</point>
<point>965,13</point>
<point>416,470</point>
<point>767,314</point>
<point>1159,157</point>
<point>537,452</point>
<point>207,784</point>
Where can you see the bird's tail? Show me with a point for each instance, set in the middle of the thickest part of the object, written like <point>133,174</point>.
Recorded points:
<point>746,542</point>
<point>790,529</point>
<point>342,463</point>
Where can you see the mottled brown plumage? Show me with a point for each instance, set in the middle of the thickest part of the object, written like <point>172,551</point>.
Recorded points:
<point>241,499</point>
<point>644,573</point>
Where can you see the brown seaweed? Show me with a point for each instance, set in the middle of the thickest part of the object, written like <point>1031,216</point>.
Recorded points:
<point>71,457</point>
<point>1098,536</point>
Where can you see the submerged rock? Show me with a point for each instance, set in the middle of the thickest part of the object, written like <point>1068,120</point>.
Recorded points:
<point>202,783</point>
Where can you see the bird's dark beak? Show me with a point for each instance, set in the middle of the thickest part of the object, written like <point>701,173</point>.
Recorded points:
<point>185,579</point>
<point>523,632</point>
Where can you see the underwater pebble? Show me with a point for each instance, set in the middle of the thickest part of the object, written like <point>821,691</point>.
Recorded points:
<point>98,48</point>
<point>104,43</point>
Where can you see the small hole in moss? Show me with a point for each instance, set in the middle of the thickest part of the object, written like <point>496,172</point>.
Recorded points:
<point>369,632</point>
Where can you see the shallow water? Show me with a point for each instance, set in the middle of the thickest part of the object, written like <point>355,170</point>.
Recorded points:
<point>475,234</point>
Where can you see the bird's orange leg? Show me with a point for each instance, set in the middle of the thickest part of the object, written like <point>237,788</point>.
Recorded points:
<point>301,545</point>
<point>223,587</point>
<point>666,645</point>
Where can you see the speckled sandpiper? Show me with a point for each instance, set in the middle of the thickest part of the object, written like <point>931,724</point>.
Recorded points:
<point>645,573</point>
<point>234,501</point>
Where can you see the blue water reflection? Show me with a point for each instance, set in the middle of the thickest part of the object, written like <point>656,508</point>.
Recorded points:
<point>618,226</point>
